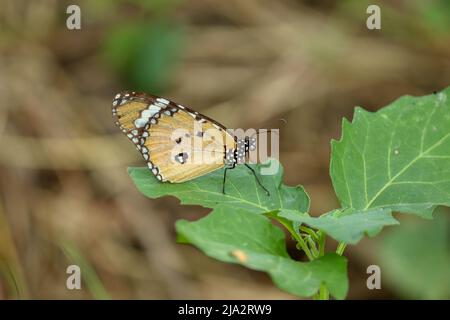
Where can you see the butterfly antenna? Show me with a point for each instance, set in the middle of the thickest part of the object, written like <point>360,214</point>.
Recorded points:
<point>257,179</point>
<point>266,131</point>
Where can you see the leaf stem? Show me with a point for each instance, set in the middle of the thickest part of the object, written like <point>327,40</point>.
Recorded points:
<point>324,294</point>
<point>321,241</point>
<point>312,246</point>
<point>297,237</point>
<point>304,247</point>
<point>341,248</point>
<point>309,231</point>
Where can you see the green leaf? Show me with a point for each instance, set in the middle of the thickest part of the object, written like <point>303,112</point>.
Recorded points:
<point>253,241</point>
<point>242,191</point>
<point>415,259</point>
<point>348,227</point>
<point>397,158</point>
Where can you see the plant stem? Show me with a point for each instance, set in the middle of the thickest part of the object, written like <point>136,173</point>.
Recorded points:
<point>304,247</point>
<point>297,237</point>
<point>309,231</point>
<point>322,240</point>
<point>312,246</point>
<point>324,294</point>
<point>341,248</point>
<point>316,249</point>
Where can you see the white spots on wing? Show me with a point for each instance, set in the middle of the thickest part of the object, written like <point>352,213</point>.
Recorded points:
<point>135,140</point>
<point>144,150</point>
<point>150,165</point>
<point>140,122</point>
<point>129,135</point>
<point>145,155</point>
<point>115,102</point>
<point>155,171</point>
<point>150,111</point>
<point>146,114</point>
<point>159,105</point>
<point>154,109</point>
<point>162,100</point>
<point>117,96</point>
<point>180,106</point>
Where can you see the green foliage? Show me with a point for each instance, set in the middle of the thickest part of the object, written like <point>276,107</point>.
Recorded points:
<point>393,160</point>
<point>242,191</point>
<point>144,53</point>
<point>397,158</point>
<point>416,258</point>
<point>253,241</point>
<point>349,227</point>
<point>238,223</point>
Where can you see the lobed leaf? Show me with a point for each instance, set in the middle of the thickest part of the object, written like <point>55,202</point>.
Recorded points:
<point>397,158</point>
<point>253,241</point>
<point>242,191</point>
<point>349,227</point>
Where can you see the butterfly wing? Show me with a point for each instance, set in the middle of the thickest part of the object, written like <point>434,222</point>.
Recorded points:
<point>178,144</point>
<point>127,108</point>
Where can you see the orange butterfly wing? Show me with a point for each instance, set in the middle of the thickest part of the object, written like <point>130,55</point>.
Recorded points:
<point>177,143</point>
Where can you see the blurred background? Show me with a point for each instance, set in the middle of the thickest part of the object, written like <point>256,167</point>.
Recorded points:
<point>65,194</point>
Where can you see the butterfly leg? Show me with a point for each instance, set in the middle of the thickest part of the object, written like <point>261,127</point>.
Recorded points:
<point>224,179</point>
<point>257,179</point>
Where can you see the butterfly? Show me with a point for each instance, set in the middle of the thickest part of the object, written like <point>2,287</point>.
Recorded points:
<point>177,143</point>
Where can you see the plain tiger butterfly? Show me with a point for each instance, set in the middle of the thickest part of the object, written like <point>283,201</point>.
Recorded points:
<point>177,143</point>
